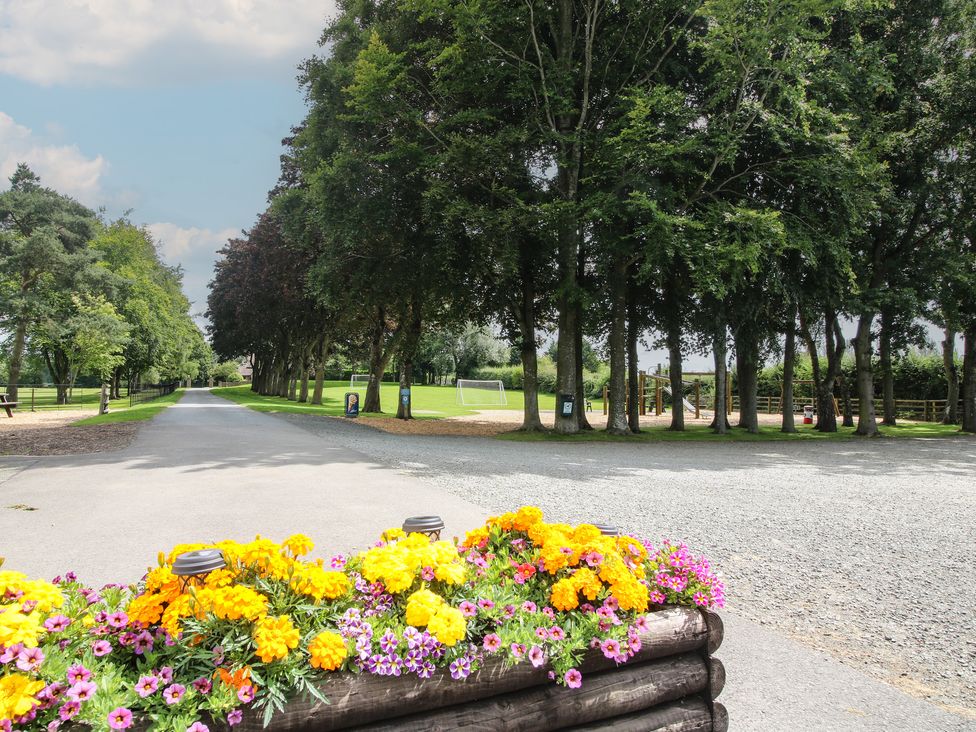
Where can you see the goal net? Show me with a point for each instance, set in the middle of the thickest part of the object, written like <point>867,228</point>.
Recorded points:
<point>358,379</point>
<point>480,393</point>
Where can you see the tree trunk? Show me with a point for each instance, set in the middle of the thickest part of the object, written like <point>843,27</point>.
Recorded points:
<point>376,366</point>
<point>674,372</point>
<point>747,368</point>
<point>412,338</point>
<point>584,423</point>
<point>887,373</point>
<point>16,358</point>
<point>525,316</point>
<point>617,414</point>
<point>824,379</point>
<point>789,361</point>
<point>969,380</point>
<point>951,415</point>
<point>633,375</point>
<point>114,386</point>
<point>294,376</point>
<point>867,425</point>
<point>845,398</point>
<point>321,354</point>
<point>720,421</point>
<point>306,374</point>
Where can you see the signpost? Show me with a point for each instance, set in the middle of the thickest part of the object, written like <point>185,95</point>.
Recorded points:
<point>352,404</point>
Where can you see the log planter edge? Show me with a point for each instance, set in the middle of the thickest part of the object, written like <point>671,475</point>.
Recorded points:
<point>671,683</point>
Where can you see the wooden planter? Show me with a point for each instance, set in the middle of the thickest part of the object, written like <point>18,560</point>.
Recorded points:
<point>671,684</point>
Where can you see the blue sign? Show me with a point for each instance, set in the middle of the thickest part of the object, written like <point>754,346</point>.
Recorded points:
<point>405,397</point>
<point>352,404</point>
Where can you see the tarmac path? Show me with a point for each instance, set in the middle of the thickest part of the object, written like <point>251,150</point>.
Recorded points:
<point>208,469</point>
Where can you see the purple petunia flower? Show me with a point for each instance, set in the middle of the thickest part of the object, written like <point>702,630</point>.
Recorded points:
<point>235,717</point>
<point>246,694</point>
<point>492,642</point>
<point>203,685</point>
<point>147,686</point>
<point>78,673</point>
<point>198,727</point>
<point>82,691</point>
<point>69,709</point>
<point>118,619</point>
<point>30,659</point>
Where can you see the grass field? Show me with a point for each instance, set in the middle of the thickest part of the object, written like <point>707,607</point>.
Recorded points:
<point>120,411</point>
<point>38,398</point>
<point>428,402</point>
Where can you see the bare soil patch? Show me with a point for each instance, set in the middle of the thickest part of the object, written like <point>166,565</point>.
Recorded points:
<point>53,433</point>
<point>491,422</point>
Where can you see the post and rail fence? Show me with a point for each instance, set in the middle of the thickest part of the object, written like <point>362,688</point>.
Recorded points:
<point>43,397</point>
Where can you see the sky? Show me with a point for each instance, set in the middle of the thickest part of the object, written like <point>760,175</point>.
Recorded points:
<point>171,110</point>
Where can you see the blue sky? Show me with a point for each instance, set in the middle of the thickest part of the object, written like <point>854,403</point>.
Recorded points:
<point>174,109</point>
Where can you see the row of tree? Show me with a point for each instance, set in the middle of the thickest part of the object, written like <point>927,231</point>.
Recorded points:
<point>714,175</point>
<point>88,297</point>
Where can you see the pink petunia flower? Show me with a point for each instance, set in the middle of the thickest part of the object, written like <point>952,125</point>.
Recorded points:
<point>78,673</point>
<point>101,648</point>
<point>246,694</point>
<point>492,642</point>
<point>529,606</point>
<point>120,718</point>
<point>82,691</point>
<point>30,659</point>
<point>173,693</point>
<point>118,619</point>
<point>574,679</point>
<point>536,656</point>
<point>556,633</point>
<point>68,710</point>
<point>486,604</point>
<point>146,686</point>
<point>235,717</point>
<point>57,624</point>
<point>468,609</point>
<point>198,727</point>
<point>203,685</point>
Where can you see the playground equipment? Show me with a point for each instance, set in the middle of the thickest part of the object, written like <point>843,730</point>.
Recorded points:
<point>662,386</point>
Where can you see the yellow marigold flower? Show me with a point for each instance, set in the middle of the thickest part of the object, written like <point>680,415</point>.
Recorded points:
<point>586,581</point>
<point>475,537</point>
<point>274,637</point>
<point>448,625</point>
<point>631,595</point>
<point>16,627</point>
<point>46,595</point>
<point>393,534</point>
<point>421,606</point>
<point>505,522</point>
<point>585,533</point>
<point>318,583</point>
<point>219,578</point>
<point>17,695</point>
<point>563,596</point>
<point>145,608</point>
<point>10,581</point>
<point>526,517</point>
<point>327,651</point>
<point>299,544</point>
<point>452,574</point>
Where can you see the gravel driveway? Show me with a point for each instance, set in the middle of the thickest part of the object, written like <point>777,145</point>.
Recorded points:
<point>863,550</point>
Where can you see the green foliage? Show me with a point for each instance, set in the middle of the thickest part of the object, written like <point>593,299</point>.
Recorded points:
<point>227,371</point>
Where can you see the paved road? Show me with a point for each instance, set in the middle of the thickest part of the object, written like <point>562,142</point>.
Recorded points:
<point>209,469</point>
<point>205,469</point>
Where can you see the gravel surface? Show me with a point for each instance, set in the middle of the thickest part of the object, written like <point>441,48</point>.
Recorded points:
<point>863,550</point>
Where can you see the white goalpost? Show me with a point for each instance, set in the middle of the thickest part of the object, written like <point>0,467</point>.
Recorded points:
<point>481,393</point>
<point>358,379</point>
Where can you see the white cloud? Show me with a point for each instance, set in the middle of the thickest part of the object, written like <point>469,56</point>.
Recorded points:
<point>178,243</point>
<point>61,167</point>
<point>57,41</point>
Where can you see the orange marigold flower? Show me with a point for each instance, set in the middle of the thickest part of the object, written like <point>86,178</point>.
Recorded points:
<point>327,651</point>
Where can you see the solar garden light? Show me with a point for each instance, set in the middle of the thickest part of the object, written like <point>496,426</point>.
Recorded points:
<point>607,529</point>
<point>429,525</point>
<point>197,565</point>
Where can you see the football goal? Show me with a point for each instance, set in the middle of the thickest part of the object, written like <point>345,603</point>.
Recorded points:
<point>479,393</point>
<point>358,379</point>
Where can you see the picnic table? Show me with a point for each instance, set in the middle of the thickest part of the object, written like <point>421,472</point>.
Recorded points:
<point>7,406</point>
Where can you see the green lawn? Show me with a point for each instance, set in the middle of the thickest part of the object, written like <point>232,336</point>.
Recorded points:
<point>120,411</point>
<point>437,402</point>
<point>701,433</point>
<point>429,402</point>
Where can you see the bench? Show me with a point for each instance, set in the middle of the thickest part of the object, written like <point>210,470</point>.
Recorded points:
<point>7,405</point>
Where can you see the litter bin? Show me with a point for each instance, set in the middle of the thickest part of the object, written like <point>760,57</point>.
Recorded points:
<point>567,403</point>
<point>808,414</point>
